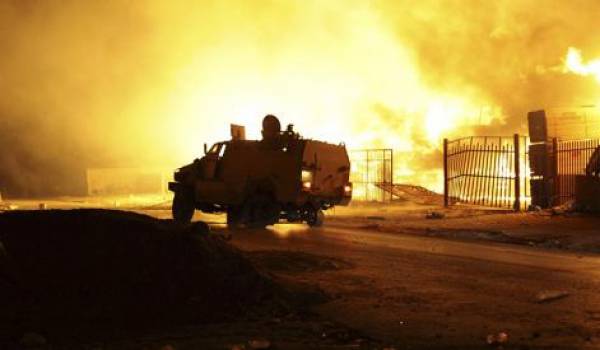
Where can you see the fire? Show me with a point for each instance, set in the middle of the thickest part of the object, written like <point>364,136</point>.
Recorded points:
<point>367,91</point>
<point>145,83</point>
<point>574,63</point>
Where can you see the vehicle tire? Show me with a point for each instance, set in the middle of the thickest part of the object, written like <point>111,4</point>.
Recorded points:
<point>315,217</point>
<point>183,207</point>
<point>259,211</point>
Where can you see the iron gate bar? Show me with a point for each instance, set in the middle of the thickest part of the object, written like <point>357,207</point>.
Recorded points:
<point>516,167</point>
<point>372,173</point>
<point>486,171</point>
<point>571,159</point>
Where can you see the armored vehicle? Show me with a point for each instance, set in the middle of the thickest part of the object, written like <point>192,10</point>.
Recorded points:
<point>259,182</point>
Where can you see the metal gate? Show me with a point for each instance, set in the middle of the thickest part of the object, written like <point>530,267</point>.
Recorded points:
<point>572,159</point>
<point>371,174</point>
<point>487,170</point>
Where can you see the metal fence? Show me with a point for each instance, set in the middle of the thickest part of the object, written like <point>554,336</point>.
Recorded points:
<point>572,159</point>
<point>488,171</point>
<point>371,174</point>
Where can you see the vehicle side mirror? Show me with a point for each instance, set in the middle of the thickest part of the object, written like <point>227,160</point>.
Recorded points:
<point>205,148</point>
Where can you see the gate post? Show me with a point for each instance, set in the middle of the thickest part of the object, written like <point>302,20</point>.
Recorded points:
<point>445,172</point>
<point>517,204</point>
<point>555,199</point>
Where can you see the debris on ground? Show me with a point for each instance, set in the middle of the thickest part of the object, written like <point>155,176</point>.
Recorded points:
<point>567,207</point>
<point>416,194</point>
<point>113,268</point>
<point>497,339</point>
<point>547,296</point>
<point>435,215</point>
<point>534,208</point>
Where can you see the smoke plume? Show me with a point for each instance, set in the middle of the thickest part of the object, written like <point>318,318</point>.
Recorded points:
<point>128,83</point>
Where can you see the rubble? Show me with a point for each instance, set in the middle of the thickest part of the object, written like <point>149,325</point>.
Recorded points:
<point>435,215</point>
<point>112,268</point>
<point>567,207</point>
<point>497,339</point>
<point>547,296</point>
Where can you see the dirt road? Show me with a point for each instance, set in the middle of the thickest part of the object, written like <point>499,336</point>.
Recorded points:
<point>422,292</point>
<point>407,290</point>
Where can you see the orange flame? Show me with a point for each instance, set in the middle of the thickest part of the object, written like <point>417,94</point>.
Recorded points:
<point>574,63</point>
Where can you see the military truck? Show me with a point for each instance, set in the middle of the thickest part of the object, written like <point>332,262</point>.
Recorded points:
<point>259,182</point>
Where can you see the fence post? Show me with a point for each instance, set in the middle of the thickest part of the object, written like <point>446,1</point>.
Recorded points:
<point>391,174</point>
<point>517,142</point>
<point>556,195</point>
<point>445,172</point>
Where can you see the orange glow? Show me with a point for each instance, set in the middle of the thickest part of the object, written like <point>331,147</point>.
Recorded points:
<point>574,63</point>
<point>138,83</point>
<point>285,230</point>
<point>330,92</point>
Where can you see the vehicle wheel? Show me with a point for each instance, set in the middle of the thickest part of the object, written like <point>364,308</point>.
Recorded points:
<point>259,211</point>
<point>183,207</point>
<point>315,217</point>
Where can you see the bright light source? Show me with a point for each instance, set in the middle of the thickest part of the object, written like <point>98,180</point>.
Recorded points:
<point>306,185</point>
<point>306,176</point>
<point>348,189</point>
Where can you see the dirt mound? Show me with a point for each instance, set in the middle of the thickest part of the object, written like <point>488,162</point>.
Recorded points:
<point>104,267</point>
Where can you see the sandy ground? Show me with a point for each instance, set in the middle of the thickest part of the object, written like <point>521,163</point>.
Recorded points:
<point>547,229</point>
<point>427,293</point>
<point>398,279</point>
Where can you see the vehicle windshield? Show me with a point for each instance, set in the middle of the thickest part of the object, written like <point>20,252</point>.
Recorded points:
<point>217,148</point>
